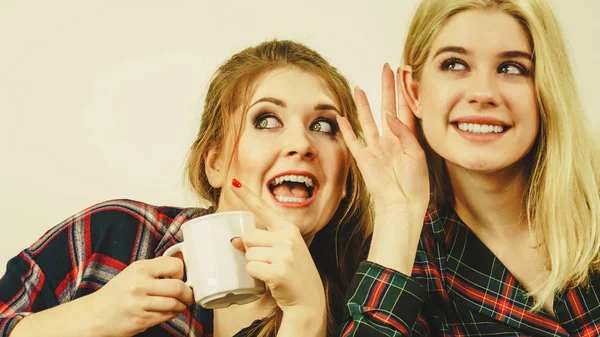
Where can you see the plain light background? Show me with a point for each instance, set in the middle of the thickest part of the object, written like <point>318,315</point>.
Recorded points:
<point>102,99</point>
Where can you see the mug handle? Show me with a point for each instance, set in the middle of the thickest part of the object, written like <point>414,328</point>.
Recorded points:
<point>177,248</point>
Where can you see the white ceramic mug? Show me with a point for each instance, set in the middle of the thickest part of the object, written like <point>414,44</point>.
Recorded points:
<point>215,270</point>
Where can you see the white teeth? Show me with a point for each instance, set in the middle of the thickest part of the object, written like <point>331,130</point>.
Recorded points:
<point>289,199</point>
<point>480,128</point>
<point>293,178</point>
<point>308,181</point>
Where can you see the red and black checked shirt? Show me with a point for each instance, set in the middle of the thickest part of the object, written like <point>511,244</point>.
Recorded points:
<point>459,288</point>
<point>84,252</point>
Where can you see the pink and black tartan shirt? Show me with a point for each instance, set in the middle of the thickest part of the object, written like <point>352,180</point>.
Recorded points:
<point>459,288</point>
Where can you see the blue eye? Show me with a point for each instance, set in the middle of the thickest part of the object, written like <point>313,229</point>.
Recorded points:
<point>324,125</point>
<point>513,69</point>
<point>453,64</point>
<point>267,121</point>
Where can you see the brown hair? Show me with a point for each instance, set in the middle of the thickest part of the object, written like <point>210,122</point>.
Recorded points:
<point>336,249</point>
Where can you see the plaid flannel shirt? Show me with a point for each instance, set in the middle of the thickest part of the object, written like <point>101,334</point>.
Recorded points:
<point>83,253</point>
<point>459,288</point>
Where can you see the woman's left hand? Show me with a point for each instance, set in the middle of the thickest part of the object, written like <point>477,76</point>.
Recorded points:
<point>279,256</point>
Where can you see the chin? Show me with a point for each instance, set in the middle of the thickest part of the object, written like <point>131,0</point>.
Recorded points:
<point>481,164</point>
<point>307,228</point>
<point>492,167</point>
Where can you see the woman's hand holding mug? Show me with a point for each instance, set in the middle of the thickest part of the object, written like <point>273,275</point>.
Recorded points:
<point>146,293</point>
<point>279,256</point>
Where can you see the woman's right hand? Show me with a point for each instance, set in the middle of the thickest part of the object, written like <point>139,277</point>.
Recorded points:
<point>146,293</point>
<point>279,256</point>
<point>395,171</point>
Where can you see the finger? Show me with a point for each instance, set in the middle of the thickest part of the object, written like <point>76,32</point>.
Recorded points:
<point>263,211</point>
<point>407,138</point>
<point>365,115</point>
<point>238,244</point>
<point>260,270</point>
<point>353,143</point>
<point>405,114</point>
<point>260,254</point>
<point>388,97</point>
<point>163,304</point>
<point>163,266</point>
<point>172,288</point>
<point>259,238</point>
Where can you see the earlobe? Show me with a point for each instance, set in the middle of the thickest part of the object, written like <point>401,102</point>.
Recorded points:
<point>214,169</point>
<point>410,90</point>
<point>345,187</point>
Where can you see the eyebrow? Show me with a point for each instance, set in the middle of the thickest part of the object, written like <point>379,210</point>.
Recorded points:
<point>327,107</point>
<point>506,54</point>
<point>272,100</point>
<point>280,103</point>
<point>518,53</point>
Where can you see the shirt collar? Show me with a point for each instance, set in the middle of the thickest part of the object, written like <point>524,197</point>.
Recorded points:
<point>477,279</point>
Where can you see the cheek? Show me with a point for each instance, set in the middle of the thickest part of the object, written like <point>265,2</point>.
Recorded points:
<point>435,119</point>
<point>438,100</point>
<point>251,152</point>
<point>337,158</point>
<point>524,106</point>
<point>522,97</point>
<point>343,161</point>
<point>534,127</point>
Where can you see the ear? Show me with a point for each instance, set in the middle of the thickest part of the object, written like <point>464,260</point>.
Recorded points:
<point>410,90</point>
<point>345,185</point>
<point>214,168</point>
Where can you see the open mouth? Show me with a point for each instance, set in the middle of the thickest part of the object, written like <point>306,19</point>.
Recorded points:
<point>481,129</point>
<point>296,189</point>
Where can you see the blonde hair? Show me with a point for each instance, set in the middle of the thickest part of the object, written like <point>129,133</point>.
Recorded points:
<point>561,201</point>
<point>336,248</point>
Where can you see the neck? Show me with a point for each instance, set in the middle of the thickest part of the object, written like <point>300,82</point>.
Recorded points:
<point>229,321</point>
<point>490,203</point>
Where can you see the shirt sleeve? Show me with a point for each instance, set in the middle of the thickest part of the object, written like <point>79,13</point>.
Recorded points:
<point>48,272</point>
<point>381,302</point>
<point>23,290</point>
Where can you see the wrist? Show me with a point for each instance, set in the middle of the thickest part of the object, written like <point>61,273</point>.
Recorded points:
<point>92,318</point>
<point>399,212</point>
<point>395,240</point>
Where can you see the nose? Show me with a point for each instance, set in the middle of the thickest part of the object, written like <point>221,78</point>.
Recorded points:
<point>483,90</point>
<point>298,142</point>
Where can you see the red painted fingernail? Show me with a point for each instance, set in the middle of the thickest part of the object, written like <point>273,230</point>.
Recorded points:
<point>236,183</point>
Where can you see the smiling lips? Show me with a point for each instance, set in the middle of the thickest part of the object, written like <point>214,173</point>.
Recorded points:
<point>293,190</point>
<point>480,129</point>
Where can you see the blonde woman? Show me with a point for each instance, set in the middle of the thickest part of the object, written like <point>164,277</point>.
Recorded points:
<point>492,146</point>
<point>269,113</point>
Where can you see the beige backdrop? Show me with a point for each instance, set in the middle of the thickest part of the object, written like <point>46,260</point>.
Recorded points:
<point>100,99</point>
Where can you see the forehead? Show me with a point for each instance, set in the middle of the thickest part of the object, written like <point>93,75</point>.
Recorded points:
<point>489,31</point>
<point>294,85</point>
